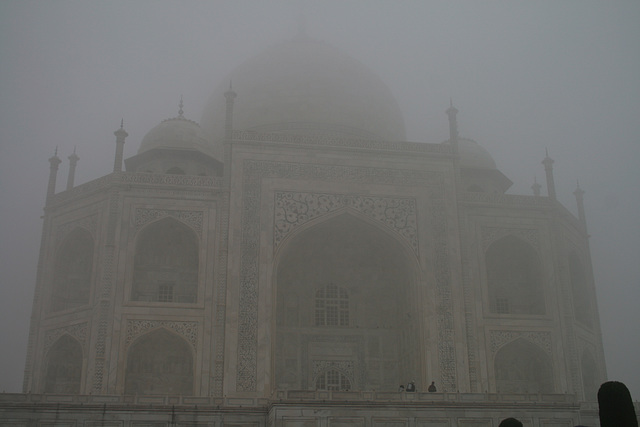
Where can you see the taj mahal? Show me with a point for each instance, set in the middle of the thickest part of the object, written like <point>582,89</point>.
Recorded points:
<point>292,260</point>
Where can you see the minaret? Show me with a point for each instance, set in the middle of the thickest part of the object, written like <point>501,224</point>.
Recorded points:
<point>548,168</point>
<point>453,126</point>
<point>536,187</point>
<point>120,134</point>
<point>73,161</point>
<point>54,162</point>
<point>579,200</point>
<point>230,95</point>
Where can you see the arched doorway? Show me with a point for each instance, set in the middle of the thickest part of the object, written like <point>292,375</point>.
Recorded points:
<point>64,367</point>
<point>159,363</point>
<point>344,311</point>
<point>523,367</point>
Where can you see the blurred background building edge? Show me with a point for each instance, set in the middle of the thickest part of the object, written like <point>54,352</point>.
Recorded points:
<point>293,254</point>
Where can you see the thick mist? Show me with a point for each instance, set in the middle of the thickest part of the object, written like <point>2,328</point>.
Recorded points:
<point>525,76</point>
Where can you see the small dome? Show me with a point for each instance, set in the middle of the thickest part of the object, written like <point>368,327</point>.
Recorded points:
<point>305,86</point>
<point>176,133</point>
<point>473,156</point>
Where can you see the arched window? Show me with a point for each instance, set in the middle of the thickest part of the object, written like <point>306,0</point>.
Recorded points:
<point>514,278</point>
<point>72,272</point>
<point>64,367</point>
<point>165,267</point>
<point>334,380</point>
<point>332,306</point>
<point>523,367</point>
<point>579,290</point>
<point>159,363</point>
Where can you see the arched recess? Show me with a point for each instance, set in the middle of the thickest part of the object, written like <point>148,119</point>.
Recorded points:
<point>344,297</point>
<point>64,367</point>
<point>165,267</point>
<point>581,299</point>
<point>514,278</point>
<point>159,362</point>
<point>590,377</point>
<point>72,271</point>
<point>522,367</point>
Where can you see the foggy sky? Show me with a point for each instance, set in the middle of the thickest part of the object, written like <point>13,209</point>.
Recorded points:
<point>524,75</point>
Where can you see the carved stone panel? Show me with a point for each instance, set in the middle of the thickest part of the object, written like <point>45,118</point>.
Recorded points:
<point>293,209</point>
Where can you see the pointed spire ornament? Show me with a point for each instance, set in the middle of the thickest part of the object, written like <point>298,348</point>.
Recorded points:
<point>180,110</point>
<point>536,187</point>
<point>579,193</point>
<point>120,134</point>
<point>54,162</point>
<point>548,168</point>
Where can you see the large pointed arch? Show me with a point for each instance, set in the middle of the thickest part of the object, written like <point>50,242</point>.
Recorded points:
<point>64,367</point>
<point>73,271</point>
<point>159,362</point>
<point>523,367</point>
<point>166,263</point>
<point>514,277</point>
<point>346,263</point>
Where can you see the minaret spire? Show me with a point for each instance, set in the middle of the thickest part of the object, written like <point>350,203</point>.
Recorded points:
<point>180,110</point>
<point>453,125</point>
<point>54,162</point>
<point>230,96</point>
<point>120,134</point>
<point>536,187</point>
<point>548,168</point>
<point>579,193</point>
<point>73,161</point>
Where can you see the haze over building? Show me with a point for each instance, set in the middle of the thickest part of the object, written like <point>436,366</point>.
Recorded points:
<point>294,246</point>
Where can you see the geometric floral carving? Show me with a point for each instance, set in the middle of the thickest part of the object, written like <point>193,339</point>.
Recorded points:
<point>294,209</point>
<point>500,338</point>
<point>188,330</point>
<point>77,331</point>
<point>144,216</point>
<point>491,234</point>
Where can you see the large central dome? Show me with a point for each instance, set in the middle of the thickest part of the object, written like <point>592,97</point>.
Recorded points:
<point>304,86</point>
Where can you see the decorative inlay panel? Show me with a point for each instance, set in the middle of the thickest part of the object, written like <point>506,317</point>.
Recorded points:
<point>255,171</point>
<point>188,330</point>
<point>77,331</point>
<point>294,209</point>
<point>193,218</point>
<point>500,338</point>
<point>491,234</point>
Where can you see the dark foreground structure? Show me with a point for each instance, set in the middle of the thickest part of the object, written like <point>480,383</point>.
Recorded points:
<point>295,259</point>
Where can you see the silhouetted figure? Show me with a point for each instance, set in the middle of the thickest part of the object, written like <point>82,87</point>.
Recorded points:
<point>432,388</point>
<point>401,388</point>
<point>510,422</point>
<point>616,406</point>
<point>411,386</point>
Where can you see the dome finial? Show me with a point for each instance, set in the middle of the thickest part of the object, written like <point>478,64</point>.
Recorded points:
<point>180,110</point>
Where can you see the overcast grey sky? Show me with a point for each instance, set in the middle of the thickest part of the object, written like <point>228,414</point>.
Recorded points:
<point>525,75</point>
